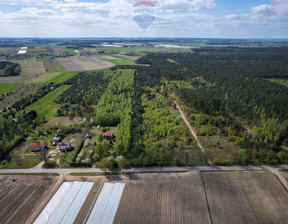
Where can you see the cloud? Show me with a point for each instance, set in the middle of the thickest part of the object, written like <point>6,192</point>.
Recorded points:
<point>28,2</point>
<point>185,5</point>
<point>263,10</point>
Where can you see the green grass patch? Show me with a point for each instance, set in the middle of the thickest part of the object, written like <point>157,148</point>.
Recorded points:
<point>69,50</point>
<point>284,170</point>
<point>31,174</point>
<point>44,77</point>
<point>120,60</point>
<point>4,49</point>
<point>171,61</point>
<point>17,162</point>
<point>45,107</point>
<point>63,77</point>
<point>6,87</point>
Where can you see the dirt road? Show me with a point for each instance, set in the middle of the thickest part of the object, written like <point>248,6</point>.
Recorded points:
<point>192,131</point>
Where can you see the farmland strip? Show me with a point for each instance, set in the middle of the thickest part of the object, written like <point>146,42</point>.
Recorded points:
<point>9,193</point>
<point>22,205</point>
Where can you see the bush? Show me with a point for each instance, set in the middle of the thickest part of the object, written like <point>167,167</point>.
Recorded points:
<point>222,162</point>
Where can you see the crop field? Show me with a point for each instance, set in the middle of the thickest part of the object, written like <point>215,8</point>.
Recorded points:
<point>70,64</point>
<point>19,200</point>
<point>53,65</point>
<point>119,60</point>
<point>45,107</point>
<point>246,197</point>
<point>88,63</point>
<point>6,87</point>
<point>34,52</point>
<point>7,51</point>
<point>31,66</point>
<point>180,200</point>
<point>45,77</point>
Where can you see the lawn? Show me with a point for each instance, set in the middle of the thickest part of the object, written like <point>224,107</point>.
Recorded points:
<point>17,162</point>
<point>3,49</point>
<point>46,107</point>
<point>6,87</point>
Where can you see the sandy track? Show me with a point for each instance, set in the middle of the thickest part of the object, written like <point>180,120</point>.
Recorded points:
<point>192,131</point>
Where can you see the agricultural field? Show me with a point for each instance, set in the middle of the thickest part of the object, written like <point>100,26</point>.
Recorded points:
<point>70,64</point>
<point>37,51</point>
<point>19,199</point>
<point>119,60</point>
<point>7,87</point>
<point>245,197</point>
<point>62,77</point>
<point>31,66</point>
<point>52,65</point>
<point>7,51</point>
<point>45,107</point>
<point>44,78</point>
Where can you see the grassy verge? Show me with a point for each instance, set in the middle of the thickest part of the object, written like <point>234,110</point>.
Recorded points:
<point>45,107</point>
<point>121,173</point>
<point>284,170</point>
<point>32,174</point>
<point>6,87</point>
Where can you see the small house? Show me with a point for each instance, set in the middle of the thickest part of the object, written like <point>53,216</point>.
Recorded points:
<point>107,135</point>
<point>64,147</point>
<point>37,146</point>
<point>54,144</point>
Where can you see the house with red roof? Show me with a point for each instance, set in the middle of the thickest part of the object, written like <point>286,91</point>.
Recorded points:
<point>37,146</point>
<point>64,147</point>
<point>107,135</point>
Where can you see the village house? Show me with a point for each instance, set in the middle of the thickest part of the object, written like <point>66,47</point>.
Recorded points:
<point>107,135</point>
<point>64,147</point>
<point>37,146</point>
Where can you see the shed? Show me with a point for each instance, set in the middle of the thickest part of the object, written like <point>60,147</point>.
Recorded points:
<point>56,139</point>
<point>37,146</point>
<point>64,147</point>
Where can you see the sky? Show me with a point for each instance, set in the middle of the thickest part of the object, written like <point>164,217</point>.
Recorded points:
<point>259,19</point>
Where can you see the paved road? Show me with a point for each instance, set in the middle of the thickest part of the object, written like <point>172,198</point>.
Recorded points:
<point>150,169</point>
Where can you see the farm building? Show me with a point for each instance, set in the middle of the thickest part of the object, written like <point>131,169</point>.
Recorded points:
<point>107,135</point>
<point>37,146</point>
<point>64,147</point>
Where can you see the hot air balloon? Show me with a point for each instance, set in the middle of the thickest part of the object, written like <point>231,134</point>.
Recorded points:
<point>143,11</point>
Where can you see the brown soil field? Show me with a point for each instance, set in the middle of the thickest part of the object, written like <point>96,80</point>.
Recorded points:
<point>246,197</point>
<point>70,65</point>
<point>105,64</point>
<point>19,198</point>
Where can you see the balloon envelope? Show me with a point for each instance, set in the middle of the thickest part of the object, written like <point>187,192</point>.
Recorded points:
<point>144,21</point>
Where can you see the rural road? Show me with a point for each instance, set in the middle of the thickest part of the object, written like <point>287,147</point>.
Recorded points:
<point>191,130</point>
<point>149,169</point>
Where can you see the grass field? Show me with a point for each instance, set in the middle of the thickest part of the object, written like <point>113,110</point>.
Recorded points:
<point>31,66</point>
<point>45,107</point>
<point>26,162</point>
<point>44,77</point>
<point>34,52</point>
<point>52,65</point>
<point>245,197</point>
<point>6,87</point>
<point>88,63</point>
<point>62,77</point>
<point>3,49</point>
<point>120,60</point>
